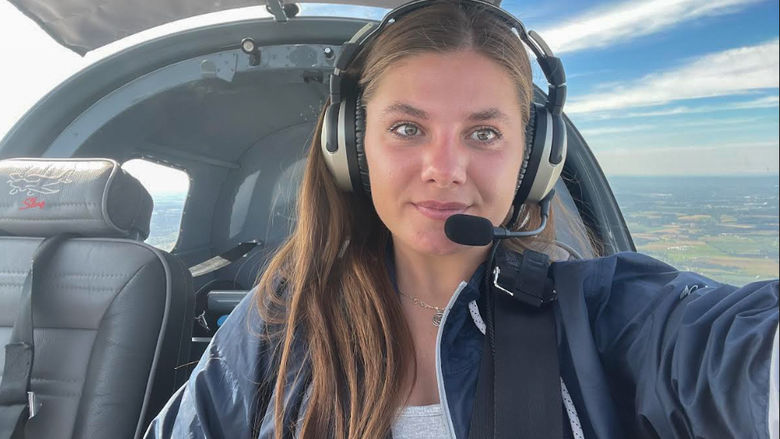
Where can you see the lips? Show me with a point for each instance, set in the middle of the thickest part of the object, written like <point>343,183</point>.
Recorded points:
<point>439,210</point>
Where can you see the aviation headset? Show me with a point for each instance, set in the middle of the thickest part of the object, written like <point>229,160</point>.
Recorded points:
<point>344,121</point>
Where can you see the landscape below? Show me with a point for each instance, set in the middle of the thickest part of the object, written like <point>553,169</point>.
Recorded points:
<point>725,228</point>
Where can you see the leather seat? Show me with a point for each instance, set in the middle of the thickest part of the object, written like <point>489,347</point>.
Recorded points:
<point>112,315</point>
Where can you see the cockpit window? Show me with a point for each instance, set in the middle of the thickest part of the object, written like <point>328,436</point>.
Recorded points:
<point>724,227</point>
<point>348,11</point>
<point>168,187</point>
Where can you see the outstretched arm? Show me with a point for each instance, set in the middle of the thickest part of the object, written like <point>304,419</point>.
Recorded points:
<point>685,356</point>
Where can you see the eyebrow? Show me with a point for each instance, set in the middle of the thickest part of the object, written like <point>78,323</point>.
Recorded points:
<point>488,114</point>
<point>400,107</point>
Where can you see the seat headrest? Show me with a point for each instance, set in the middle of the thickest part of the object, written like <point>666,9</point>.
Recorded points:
<point>90,197</point>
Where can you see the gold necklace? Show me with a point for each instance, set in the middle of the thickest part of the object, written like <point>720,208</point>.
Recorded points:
<point>439,311</point>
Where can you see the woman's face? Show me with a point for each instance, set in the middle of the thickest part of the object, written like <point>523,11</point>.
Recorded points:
<point>444,135</point>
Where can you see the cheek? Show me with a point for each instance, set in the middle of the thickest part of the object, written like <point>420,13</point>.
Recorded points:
<point>382,176</point>
<point>390,168</point>
<point>498,181</point>
<point>374,159</point>
<point>372,147</point>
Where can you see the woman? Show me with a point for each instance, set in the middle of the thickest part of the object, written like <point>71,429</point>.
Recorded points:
<point>368,321</point>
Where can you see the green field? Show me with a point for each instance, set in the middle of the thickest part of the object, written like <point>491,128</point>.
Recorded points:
<point>725,228</point>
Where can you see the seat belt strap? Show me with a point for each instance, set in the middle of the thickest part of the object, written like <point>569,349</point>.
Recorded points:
<point>211,265</point>
<point>17,401</point>
<point>530,404</point>
<point>518,390</point>
<point>223,259</point>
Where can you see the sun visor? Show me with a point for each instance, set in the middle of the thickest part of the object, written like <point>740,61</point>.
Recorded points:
<point>85,25</point>
<point>89,197</point>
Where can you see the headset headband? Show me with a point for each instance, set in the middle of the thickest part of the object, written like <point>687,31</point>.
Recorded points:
<point>550,64</point>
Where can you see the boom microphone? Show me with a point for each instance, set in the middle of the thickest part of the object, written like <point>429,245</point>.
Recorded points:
<point>469,230</point>
<point>477,231</point>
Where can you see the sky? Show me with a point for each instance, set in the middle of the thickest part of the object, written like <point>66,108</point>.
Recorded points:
<point>662,87</point>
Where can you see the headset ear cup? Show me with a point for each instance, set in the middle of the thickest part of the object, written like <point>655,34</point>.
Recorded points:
<point>542,171</point>
<point>334,154</point>
<point>360,130</point>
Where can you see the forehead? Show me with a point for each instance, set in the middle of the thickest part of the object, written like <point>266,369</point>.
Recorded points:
<point>446,83</point>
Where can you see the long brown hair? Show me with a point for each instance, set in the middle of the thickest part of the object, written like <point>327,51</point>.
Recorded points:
<point>337,299</point>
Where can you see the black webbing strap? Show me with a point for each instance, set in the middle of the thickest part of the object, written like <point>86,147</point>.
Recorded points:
<point>17,402</point>
<point>518,392</point>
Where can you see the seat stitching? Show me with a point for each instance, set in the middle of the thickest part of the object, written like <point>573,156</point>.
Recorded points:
<point>59,394</point>
<point>78,287</point>
<point>57,380</point>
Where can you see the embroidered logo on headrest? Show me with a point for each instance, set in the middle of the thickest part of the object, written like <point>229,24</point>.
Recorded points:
<point>31,202</point>
<point>33,182</point>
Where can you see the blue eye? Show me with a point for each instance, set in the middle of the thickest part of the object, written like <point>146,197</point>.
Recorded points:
<point>485,135</point>
<point>405,130</point>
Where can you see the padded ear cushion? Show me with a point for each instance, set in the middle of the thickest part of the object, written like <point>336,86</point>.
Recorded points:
<point>360,130</point>
<point>530,134</point>
<point>524,180</point>
<point>522,184</point>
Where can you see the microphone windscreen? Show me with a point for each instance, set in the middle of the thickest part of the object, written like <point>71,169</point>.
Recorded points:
<point>469,229</point>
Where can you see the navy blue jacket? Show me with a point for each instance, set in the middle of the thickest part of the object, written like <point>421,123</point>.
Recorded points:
<point>645,351</point>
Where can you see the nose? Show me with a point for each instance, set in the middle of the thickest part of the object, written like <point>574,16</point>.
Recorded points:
<point>445,162</point>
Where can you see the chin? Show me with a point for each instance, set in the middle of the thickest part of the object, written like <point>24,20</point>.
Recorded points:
<point>438,245</point>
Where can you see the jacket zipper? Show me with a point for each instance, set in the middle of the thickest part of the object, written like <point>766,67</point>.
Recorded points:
<point>439,374</point>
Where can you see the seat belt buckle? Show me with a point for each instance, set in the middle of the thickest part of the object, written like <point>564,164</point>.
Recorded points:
<point>496,274</point>
<point>536,298</point>
<point>201,319</point>
<point>33,404</point>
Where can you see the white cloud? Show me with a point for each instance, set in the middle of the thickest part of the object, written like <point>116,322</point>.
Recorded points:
<point>341,10</point>
<point>600,131</point>
<point>730,72</point>
<point>764,102</point>
<point>709,124</point>
<point>716,159</point>
<point>570,76</point>
<point>629,20</point>
<point>725,146</point>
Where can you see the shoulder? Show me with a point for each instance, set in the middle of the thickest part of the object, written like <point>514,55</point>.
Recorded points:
<point>623,263</point>
<point>638,274</point>
<point>621,272</point>
<point>239,340</point>
<point>630,295</point>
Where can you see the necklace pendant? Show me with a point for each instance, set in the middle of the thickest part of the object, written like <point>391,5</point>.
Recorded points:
<point>437,318</point>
